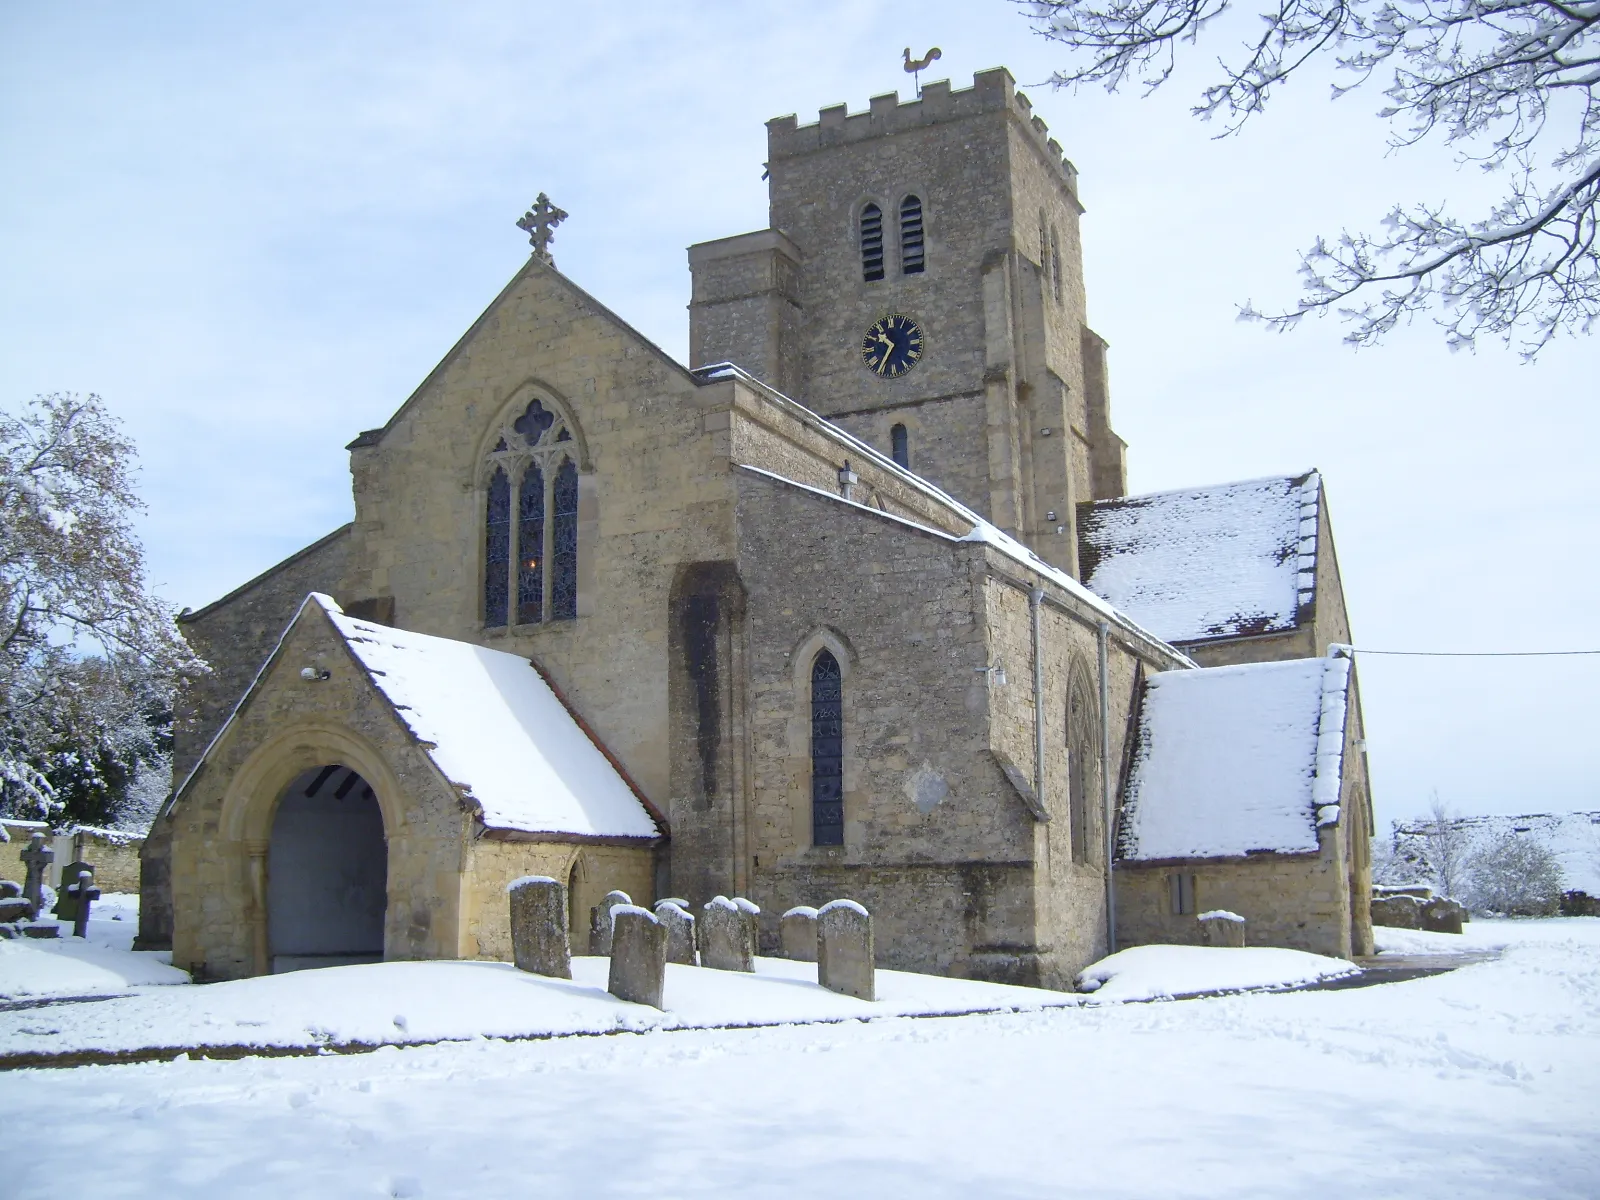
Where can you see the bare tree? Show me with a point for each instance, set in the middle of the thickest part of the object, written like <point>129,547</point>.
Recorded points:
<point>1513,85</point>
<point>88,657</point>
<point>1448,846</point>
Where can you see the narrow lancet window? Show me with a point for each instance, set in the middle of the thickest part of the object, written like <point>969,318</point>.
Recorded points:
<point>900,446</point>
<point>911,257</point>
<point>871,243</point>
<point>827,751</point>
<point>530,547</point>
<point>497,550</point>
<point>1055,263</point>
<point>1082,734</point>
<point>564,545</point>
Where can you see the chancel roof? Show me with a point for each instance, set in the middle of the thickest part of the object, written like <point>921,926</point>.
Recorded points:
<point>1231,560</point>
<point>1233,761</point>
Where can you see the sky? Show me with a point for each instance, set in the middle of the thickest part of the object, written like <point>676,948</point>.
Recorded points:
<point>254,229</point>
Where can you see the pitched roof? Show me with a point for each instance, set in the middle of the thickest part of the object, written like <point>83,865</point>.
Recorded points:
<point>1234,761</point>
<point>1213,562</point>
<point>494,728</point>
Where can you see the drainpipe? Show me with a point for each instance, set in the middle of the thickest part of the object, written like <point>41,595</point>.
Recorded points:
<point>1105,787</point>
<point>1035,606</point>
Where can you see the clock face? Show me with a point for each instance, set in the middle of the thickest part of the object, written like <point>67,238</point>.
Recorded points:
<point>893,346</point>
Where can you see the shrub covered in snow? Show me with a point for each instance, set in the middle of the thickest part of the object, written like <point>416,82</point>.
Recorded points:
<point>1514,875</point>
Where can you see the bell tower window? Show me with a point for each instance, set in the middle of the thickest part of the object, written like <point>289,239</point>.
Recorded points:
<point>900,446</point>
<point>871,243</point>
<point>911,251</point>
<point>535,448</point>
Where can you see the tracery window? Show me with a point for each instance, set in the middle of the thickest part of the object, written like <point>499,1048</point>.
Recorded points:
<point>900,446</point>
<point>911,248</point>
<point>871,243</point>
<point>827,751</point>
<point>538,452</point>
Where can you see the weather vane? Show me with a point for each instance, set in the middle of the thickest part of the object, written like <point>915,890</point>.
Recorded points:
<point>916,65</point>
<point>539,223</point>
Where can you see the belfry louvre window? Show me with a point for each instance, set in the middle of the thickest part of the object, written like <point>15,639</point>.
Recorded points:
<point>911,255</point>
<point>530,562</point>
<point>900,446</point>
<point>872,243</point>
<point>827,751</point>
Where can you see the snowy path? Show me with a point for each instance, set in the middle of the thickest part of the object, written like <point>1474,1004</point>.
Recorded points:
<point>1474,1084</point>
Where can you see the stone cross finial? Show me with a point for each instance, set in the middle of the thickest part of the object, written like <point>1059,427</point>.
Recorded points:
<point>539,223</point>
<point>36,858</point>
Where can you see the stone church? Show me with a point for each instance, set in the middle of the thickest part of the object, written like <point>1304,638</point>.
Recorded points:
<point>860,608</point>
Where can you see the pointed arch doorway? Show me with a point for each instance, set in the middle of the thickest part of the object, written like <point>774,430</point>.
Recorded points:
<point>327,872</point>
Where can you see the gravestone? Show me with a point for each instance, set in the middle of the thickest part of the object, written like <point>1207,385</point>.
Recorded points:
<point>37,858</point>
<point>679,923</point>
<point>1397,912</point>
<point>600,921</point>
<point>10,889</point>
<point>66,899</point>
<point>539,926</point>
<point>638,956</point>
<point>797,932</point>
<point>752,916</point>
<point>725,943</point>
<point>846,960</point>
<point>1221,928</point>
<point>1440,915</point>
<point>84,894</point>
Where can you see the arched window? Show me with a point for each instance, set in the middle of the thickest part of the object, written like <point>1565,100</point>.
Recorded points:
<point>899,446</point>
<point>536,449</point>
<point>827,751</point>
<point>1055,262</point>
<point>1082,735</point>
<point>497,549</point>
<point>911,256</point>
<point>871,243</point>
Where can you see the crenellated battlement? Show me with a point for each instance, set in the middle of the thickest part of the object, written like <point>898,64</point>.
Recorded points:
<point>991,91</point>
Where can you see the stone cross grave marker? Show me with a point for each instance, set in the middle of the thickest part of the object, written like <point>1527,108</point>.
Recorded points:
<point>1220,927</point>
<point>725,937</point>
<point>845,955</point>
<point>638,956</point>
<point>37,858</point>
<point>66,899</point>
<point>84,894</point>
<point>600,921</point>
<point>679,923</point>
<point>539,926</point>
<point>798,933</point>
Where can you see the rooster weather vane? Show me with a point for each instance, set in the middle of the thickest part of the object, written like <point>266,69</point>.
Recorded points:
<point>914,66</point>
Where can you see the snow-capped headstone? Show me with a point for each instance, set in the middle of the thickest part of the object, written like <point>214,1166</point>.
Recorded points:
<point>846,961</point>
<point>638,956</point>
<point>1441,915</point>
<point>679,923</point>
<point>1397,912</point>
<point>1221,928</point>
<point>37,858</point>
<point>725,942</point>
<point>797,932</point>
<point>752,916</point>
<point>539,926</point>
<point>600,922</point>
<point>66,899</point>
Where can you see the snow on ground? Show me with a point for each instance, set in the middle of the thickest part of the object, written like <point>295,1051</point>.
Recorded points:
<point>1158,972</point>
<point>1477,1083</point>
<point>100,964</point>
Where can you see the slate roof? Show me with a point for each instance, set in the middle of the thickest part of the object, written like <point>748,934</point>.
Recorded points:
<point>1199,564</point>
<point>1233,761</point>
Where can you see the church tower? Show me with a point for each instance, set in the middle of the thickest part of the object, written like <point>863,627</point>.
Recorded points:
<point>921,285</point>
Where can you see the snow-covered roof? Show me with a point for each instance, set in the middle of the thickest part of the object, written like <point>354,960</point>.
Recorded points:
<point>1236,760</point>
<point>494,727</point>
<point>1573,837</point>
<point>1212,562</point>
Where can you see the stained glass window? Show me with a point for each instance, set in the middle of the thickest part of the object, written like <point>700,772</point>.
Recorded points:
<point>564,545</point>
<point>911,257</point>
<point>871,243</point>
<point>900,446</point>
<point>530,547</point>
<point>534,421</point>
<point>497,550</point>
<point>827,752</point>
